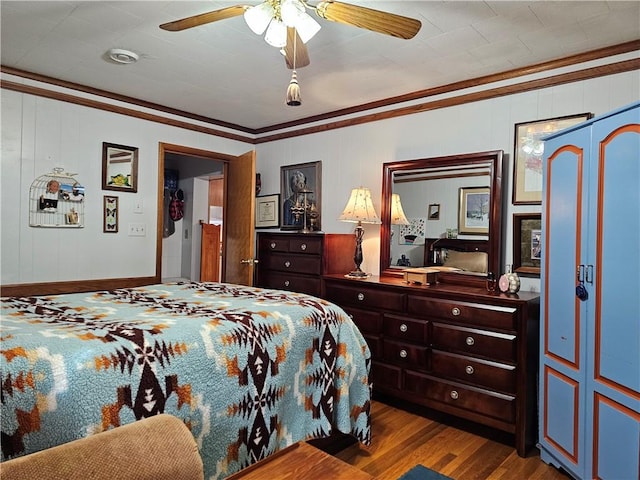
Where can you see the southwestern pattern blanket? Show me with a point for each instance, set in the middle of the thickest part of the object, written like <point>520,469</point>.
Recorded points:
<point>248,370</point>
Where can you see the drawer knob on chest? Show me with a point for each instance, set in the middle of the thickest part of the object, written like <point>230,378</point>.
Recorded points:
<point>455,311</point>
<point>470,341</point>
<point>287,264</point>
<point>361,296</point>
<point>469,370</point>
<point>403,353</point>
<point>453,394</point>
<point>272,245</point>
<point>286,283</point>
<point>403,328</point>
<point>303,246</point>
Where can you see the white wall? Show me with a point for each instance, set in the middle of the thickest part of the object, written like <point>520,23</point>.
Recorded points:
<point>354,156</point>
<point>39,134</point>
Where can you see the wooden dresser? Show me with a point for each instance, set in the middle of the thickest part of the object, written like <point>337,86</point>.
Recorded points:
<point>297,261</point>
<point>454,349</point>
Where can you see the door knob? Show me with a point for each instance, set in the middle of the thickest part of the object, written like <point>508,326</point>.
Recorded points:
<point>249,261</point>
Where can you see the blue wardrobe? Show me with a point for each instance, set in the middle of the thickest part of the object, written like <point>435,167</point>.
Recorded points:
<point>589,415</point>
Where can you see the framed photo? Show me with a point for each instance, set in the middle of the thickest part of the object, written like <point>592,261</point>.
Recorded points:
<point>110,214</point>
<point>300,195</point>
<point>473,211</point>
<point>527,243</point>
<point>528,153</point>
<point>268,211</point>
<point>434,211</point>
<point>119,167</point>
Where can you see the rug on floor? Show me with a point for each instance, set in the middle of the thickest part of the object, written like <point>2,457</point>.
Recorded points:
<point>420,472</point>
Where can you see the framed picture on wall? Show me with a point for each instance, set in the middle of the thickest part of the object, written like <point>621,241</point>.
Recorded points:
<point>268,211</point>
<point>300,196</point>
<point>434,211</point>
<point>119,167</point>
<point>110,214</point>
<point>527,243</point>
<point>528,153</point>
<point>473,211</point>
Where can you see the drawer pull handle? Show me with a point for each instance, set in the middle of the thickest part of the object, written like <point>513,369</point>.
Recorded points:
<point>469,370</point>
<point>303,246</point>
<point>403,353</point>
<point>272,245</point>
<point>361,296</point>
<point>455,311</point>
<point>286,283</point>
<point>403,328</point>
<point>287,264</point>
<point>453,394</point>
<point>470,341</point>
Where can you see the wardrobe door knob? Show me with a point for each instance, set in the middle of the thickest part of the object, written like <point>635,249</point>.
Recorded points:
<point>469,370</point>
<point>403,328</point>
<point>454,394</point>
<point>455,311</point>
<point>470,341</point>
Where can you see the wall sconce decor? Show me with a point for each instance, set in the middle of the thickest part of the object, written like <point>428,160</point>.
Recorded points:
<point>359,209</point>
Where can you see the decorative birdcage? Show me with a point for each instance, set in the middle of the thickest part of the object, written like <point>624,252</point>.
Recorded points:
<point>56,200</point>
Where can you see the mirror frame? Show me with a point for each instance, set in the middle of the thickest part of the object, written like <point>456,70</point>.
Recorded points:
<point>494,159</point>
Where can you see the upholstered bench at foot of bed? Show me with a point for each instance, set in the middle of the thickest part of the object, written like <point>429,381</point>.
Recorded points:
<point>156,448</point>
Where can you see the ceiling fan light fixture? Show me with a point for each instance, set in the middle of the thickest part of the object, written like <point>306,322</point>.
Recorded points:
<point>307,27</point>
<point>290,11</point>
<point>293,91</point>
<point>258,17</point>
<point>276,35</point>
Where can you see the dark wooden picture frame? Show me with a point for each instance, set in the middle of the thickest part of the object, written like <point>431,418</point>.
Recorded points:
<point>528,154</point>
<point>295,177</point>
<point>110,214</point>
<point>119,167</point>
<point>268,211</point>
<point>473,211</point>
<point>527,243</point>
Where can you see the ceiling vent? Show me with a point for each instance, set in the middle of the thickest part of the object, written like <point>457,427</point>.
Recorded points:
<point>120,55</point>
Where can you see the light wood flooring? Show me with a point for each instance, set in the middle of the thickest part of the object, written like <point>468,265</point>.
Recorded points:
<point>402,439</point>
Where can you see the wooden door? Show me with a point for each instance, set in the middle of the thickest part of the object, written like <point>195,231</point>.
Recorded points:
<point>239,219</point>
<point>210,253</point>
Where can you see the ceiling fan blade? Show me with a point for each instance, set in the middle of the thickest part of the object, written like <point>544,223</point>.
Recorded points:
<point>369,19</point>
<point>301,52</point>
<point>204,18</point>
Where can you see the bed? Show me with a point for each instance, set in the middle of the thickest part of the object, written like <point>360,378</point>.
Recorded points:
<point>248,370</point>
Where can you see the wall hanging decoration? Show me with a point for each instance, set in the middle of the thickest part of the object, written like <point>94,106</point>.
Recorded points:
<point>527,243</point>
<point>300,191</point>
<point>110,214</point>
<point>528,151</point>
<point>473,211</point>
<point>56,200</point>
<point>413,233</point>
<point>119,167</point>
<point>434,211</point>
<point>267,211</point>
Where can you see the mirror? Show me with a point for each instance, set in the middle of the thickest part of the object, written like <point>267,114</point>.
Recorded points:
<point>451,204</point>
<point>119,167</point>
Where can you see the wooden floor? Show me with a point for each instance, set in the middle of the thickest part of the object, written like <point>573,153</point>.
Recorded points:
<point>400,440</point>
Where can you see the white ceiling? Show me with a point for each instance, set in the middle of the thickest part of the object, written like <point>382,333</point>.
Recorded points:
<point>225,72</point>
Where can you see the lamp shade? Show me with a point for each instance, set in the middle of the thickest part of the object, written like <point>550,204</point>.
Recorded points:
<point>276,35</point>
<point>397,213</point>
<point>258,17</point>
<point>359,208</point>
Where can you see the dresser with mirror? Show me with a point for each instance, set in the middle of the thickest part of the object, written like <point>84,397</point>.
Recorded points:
<point>450,345</point>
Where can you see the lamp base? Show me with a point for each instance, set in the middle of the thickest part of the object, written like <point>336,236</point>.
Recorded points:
<point>357,274</point>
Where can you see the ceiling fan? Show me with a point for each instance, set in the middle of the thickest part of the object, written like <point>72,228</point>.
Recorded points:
<point>289,27</point>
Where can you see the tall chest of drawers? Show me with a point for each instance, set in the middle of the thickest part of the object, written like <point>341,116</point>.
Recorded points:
<point>296,261</point>
<point>454,349</point>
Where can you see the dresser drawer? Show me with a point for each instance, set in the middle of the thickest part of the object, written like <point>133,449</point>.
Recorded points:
<point>405,328</point>
<point>284,262</point>
<point>471,341</point>
<point>491,316</point>
<point>375,345</point>
<point>292,282</point>
<point>364,297</point>
<point>273,244</point>
<point>385,375</point>
<point>367,321</point>
<point>309,245</point>
<point>483,373</point>
<point>406,354</point>
<point>476,400</point>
